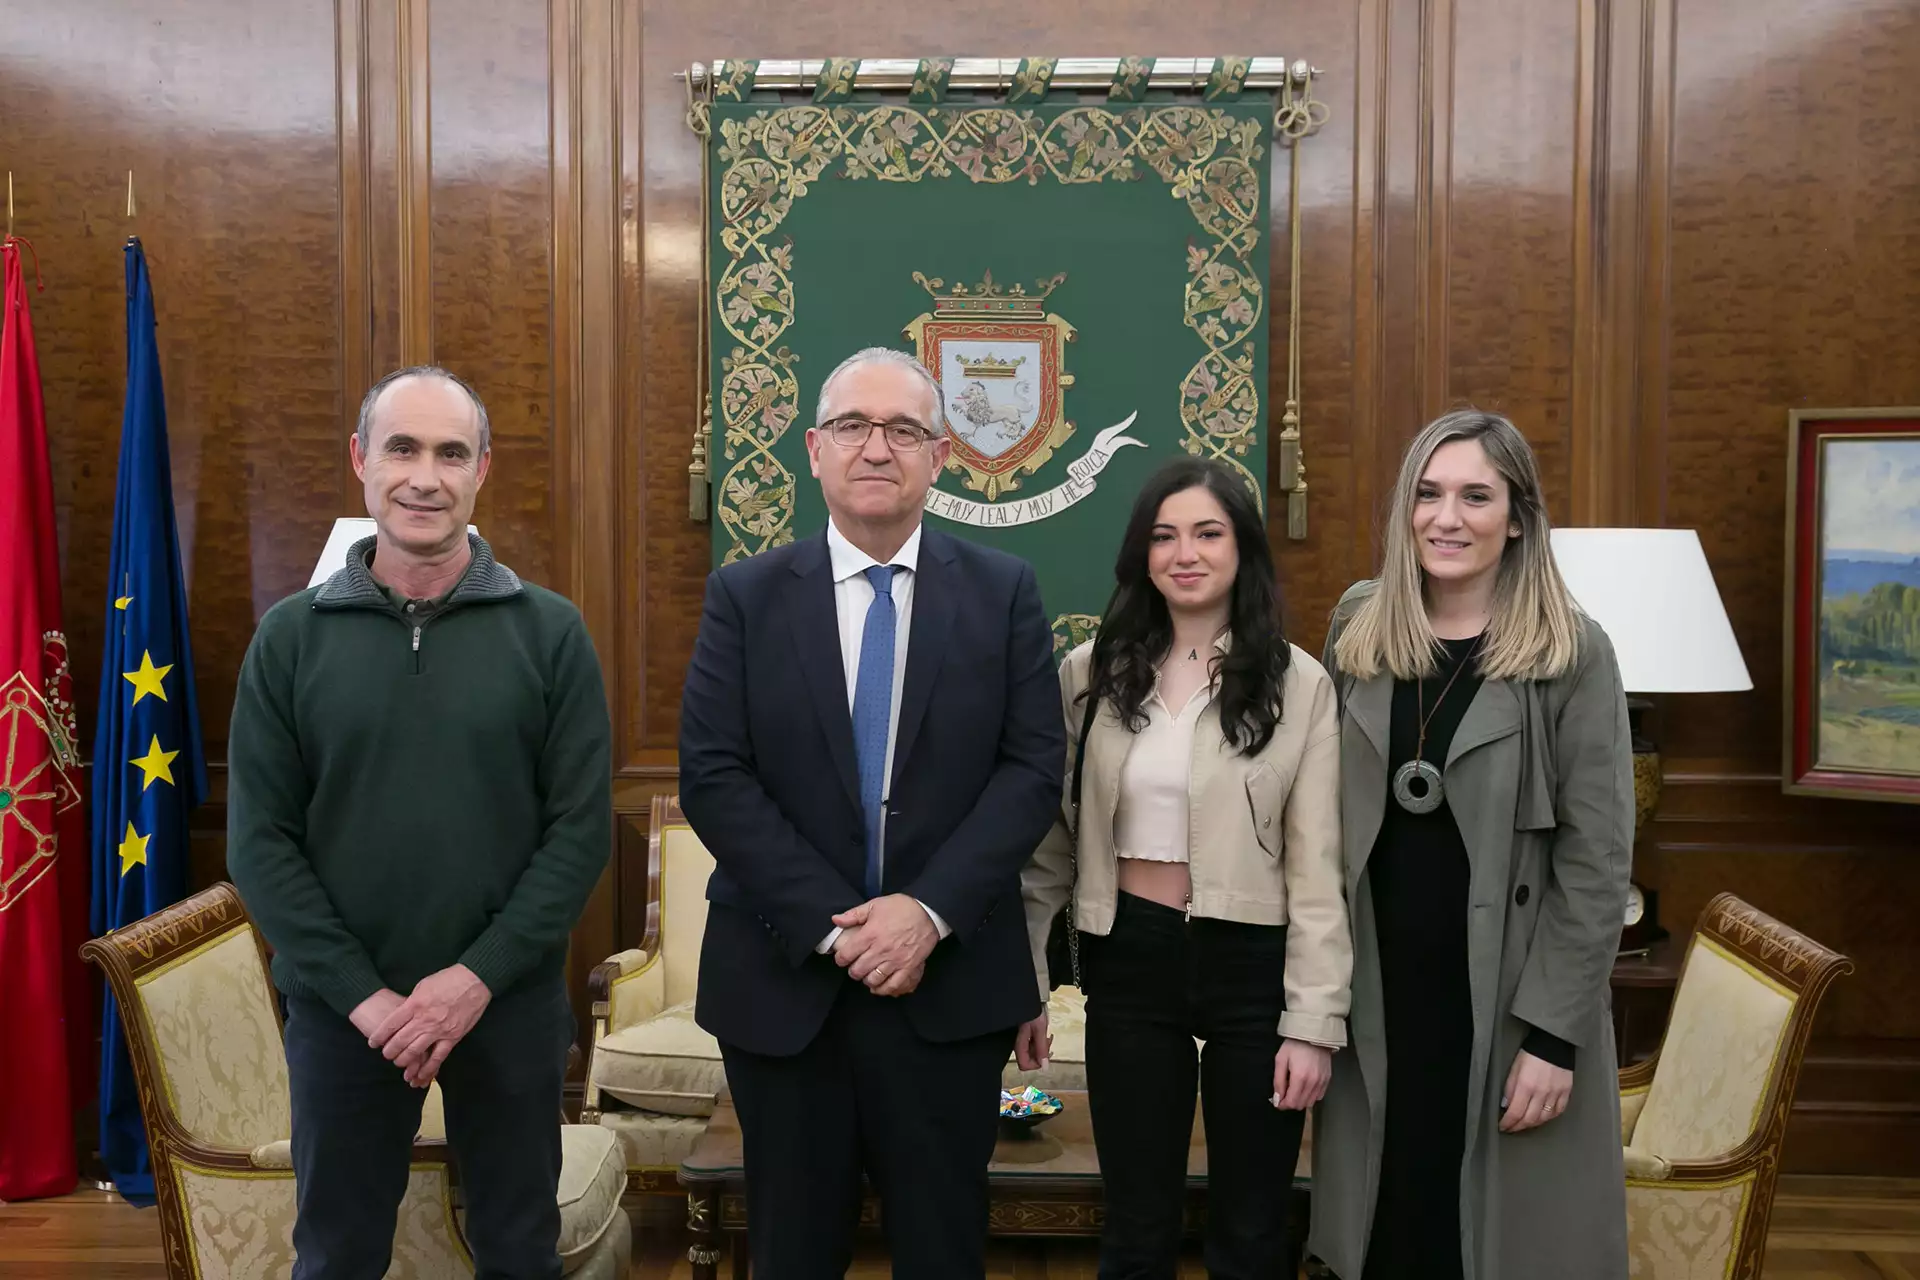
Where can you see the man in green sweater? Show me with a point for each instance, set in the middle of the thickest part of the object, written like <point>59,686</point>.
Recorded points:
<point>419,803</point>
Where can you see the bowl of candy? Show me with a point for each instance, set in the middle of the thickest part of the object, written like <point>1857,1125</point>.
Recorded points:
<point>1024,1110</point>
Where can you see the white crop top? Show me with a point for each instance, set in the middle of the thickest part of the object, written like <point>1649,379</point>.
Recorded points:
<point>1150,821</point>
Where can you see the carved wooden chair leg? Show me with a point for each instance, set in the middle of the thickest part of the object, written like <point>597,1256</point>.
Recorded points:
<point>703,1221</point>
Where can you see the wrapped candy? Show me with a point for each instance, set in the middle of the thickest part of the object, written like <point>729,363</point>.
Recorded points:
<point>1020,1104</point>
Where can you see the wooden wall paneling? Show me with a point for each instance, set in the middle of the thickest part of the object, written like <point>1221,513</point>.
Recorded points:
<point>229,129</point>
<point>1506,183</point>
<point>352,57</point>
<point>633,424</point>
<point>385,143</point>
<point>1623,138</point>
<point>1433,211</point>
<point>589,447</point>
<point>1403,122</point>
<point>487,307</point>
<point>1796,158</point>
<point>413,171</point>
<point>588,366</point>
<point>1314,572</point>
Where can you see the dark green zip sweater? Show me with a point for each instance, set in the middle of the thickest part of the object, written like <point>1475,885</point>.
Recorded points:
<point>407,796</point>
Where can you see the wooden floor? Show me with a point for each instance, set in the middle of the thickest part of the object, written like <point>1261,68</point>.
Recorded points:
<point>1823,1229</point>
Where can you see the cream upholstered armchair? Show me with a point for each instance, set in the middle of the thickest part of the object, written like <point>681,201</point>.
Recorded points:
<point>654,1073</point>
<point>203,1032</point>
<point>1703,1121</point>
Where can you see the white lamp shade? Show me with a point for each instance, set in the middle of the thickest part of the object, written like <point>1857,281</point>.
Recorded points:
<point>1652,591</point>
<point>346,531</point>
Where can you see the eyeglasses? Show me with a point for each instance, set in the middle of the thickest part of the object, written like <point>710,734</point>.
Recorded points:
<point>853,433</point>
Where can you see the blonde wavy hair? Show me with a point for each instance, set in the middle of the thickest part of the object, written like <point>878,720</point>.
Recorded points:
<point>1535,630</point>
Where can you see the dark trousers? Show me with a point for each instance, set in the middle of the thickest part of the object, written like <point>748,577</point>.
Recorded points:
<point>355,1116</point>
<point>868,1095</point>
<point>1153,985</point>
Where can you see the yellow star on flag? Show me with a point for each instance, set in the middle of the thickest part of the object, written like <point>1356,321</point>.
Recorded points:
<point>154,764</point>
<point>133,849</point>
<point>123,602</point>
<point>147,679</point>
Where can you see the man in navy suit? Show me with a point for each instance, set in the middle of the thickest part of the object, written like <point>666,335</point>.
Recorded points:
<point>871,747</point>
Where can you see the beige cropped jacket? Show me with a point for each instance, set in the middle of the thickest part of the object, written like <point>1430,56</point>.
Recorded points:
<point>1264,840</point>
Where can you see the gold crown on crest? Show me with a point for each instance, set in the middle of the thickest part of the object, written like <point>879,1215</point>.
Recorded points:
<point>989,299</point>
<point>991,367</point>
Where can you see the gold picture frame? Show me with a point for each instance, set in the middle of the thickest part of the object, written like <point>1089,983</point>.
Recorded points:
<point>1851,676</point>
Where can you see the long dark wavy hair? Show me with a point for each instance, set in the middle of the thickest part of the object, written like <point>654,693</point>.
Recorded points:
<point>1136,630</point>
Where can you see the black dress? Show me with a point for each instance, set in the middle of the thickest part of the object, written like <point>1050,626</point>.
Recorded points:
<point>1419,876</point>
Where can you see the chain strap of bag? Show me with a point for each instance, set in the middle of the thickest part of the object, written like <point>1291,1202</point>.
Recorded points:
<point>1079,768</point>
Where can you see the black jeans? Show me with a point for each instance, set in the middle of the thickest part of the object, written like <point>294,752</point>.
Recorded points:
<point>354,1118</point>
<point>1153,985</point>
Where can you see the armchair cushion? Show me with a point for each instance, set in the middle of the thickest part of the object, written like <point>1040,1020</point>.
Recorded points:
<point>593,1174</point>
<point>665,1064</point>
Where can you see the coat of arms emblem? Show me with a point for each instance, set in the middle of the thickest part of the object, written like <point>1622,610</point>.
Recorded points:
<point>997,353</point>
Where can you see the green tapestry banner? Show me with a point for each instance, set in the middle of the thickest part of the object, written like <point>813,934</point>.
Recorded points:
<point>1086,280</point>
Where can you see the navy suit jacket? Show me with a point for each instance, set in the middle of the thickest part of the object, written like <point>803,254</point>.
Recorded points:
<point>769,782</point>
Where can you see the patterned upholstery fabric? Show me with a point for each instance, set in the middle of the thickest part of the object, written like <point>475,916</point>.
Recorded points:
<point>219,1044</point>
<point>593,1175</point>
<point>607,1260</point>
<point>665,1064</point>
<point>1680,1232</point>
<point>685,866</point>
<point>222,1072</point>
<point>1727,1040</point>
<point>653,1141</point>
<point>241,1224</point>
<point>1721,1047</point>
<point>1067,1066</point>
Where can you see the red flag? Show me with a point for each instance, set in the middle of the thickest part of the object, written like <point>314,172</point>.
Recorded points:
<point>43,836</point>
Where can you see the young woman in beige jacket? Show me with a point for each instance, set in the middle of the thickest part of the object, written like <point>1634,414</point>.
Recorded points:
<point>1203,862</point>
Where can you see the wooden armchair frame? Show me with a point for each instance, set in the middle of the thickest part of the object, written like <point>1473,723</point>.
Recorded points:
<point>129,954</point>
<point>1801,966</point>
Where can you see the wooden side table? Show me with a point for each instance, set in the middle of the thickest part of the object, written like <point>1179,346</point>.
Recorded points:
<point>1643,987</point>
<point>1045,1184</point>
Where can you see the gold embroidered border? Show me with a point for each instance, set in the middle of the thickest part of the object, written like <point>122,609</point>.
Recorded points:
<point>1208,156</point>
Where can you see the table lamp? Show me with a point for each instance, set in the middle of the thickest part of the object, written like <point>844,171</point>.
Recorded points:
<point>1653,593</point>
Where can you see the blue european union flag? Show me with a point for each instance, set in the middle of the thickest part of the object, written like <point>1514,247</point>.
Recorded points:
<point>148,767</point>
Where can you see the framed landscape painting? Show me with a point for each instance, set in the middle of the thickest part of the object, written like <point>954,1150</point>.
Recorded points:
<point>1853,604</point>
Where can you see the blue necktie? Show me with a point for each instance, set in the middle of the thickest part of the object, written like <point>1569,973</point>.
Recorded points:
<point>873,710</point>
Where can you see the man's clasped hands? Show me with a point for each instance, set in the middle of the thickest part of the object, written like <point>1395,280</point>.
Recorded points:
<point>418,1031</point>
<point>885,943</point>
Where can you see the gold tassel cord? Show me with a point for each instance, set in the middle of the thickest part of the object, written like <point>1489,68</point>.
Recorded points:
<point>1299,115</point>
<point>699,120</point>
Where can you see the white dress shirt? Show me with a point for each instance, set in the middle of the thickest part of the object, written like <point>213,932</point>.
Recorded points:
<point>852,597</point>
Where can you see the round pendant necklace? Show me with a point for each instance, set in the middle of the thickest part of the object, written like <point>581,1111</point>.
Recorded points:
<point>1418,785</point>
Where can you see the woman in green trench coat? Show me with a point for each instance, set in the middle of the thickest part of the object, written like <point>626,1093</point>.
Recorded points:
<point>1473,1129</point>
